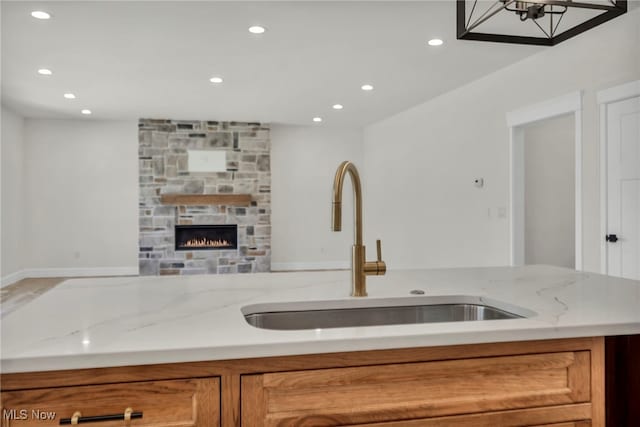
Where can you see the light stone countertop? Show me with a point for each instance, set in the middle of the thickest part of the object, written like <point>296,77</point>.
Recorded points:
<point>88,323</point>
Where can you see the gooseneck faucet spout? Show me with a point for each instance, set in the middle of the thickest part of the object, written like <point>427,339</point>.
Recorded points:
<point>343,169</point>
<point>360,268</point>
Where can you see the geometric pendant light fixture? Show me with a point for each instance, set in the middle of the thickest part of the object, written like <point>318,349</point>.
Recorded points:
<point>537,22</point>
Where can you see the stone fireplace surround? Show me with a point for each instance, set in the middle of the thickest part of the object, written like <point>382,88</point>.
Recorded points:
<point>163,146</point>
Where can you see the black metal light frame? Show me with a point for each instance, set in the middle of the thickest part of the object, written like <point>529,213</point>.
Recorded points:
<point>612,11</point>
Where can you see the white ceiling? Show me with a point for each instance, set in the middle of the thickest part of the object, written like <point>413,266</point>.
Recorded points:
<point>126,60</point>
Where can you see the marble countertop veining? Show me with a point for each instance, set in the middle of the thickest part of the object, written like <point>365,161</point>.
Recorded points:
<point>88,323</point>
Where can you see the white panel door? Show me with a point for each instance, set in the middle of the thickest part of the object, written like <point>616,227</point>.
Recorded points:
<point>623,188</point>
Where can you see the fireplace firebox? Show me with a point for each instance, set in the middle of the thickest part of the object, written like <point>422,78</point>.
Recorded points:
<point>206,237</point>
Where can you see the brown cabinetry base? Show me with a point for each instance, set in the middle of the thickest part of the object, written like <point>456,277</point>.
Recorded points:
<point>554,383</point>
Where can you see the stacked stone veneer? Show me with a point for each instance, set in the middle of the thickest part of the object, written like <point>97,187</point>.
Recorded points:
<point>163,146</point>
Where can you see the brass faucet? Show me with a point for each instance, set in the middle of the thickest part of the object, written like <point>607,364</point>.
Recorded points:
<point>360,268</point>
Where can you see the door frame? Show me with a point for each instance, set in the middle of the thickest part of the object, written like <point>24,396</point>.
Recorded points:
<point>604,98</point>
<point>570,103</point>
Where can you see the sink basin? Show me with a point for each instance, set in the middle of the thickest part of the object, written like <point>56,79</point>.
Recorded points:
<point>455,309</point>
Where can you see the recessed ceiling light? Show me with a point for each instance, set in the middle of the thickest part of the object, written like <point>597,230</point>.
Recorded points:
<point>38,14</point>
<point>215,79</point>
<point>69,96</point>
<point>337,107</point>
<point>435,42</point>
<point>257,29</point>
<point>366,87</point>
<point>86,112</point>
<point>317,119</point>
<point>45,71</point>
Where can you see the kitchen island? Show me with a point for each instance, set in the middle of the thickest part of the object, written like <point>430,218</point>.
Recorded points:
<point>185,339</point>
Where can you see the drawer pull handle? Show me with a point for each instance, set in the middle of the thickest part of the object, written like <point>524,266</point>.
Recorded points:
<point>77,417</point>
<point>127,416</point>
<point>74,418</point>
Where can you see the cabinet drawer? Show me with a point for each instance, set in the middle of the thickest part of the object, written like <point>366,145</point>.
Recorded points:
<point>180,403</point>
<point>381,393</point>
<point>576,424</point>
<point>555,416</point>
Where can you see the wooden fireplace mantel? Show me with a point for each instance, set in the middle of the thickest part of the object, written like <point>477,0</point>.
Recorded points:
<point>206,199</point>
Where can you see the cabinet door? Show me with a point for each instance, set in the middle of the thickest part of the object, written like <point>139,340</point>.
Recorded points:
<point>376,394</point>
<point>180,403</point>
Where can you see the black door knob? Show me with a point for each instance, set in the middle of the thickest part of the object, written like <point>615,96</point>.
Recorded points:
<point>611,238</point>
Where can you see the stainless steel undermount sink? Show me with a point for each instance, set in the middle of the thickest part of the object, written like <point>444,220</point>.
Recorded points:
<point>397,311</point>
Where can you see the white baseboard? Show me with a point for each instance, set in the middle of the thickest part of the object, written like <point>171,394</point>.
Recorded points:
<point>12,278</point>
<point>32,273</point>
<point>297,266</point>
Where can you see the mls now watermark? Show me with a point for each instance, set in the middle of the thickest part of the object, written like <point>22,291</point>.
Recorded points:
<point>25,414</point>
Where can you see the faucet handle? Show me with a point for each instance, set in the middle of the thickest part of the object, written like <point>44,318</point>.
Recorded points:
<point>376,268</point>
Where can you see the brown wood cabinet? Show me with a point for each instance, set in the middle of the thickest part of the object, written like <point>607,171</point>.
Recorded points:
<point>184,403</point>
<point>555,383</point>
<point>525,417</point>
<point>348,396</point>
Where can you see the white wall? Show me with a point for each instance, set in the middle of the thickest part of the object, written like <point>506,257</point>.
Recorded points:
<point>12,232</point>
<point>82,175</point>
<point>303,163</point>
<point>420,164</point>
<point>549,153</point>
<point>81,187</point>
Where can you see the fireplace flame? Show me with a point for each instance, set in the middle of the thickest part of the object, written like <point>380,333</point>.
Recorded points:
<point>203,242</point>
